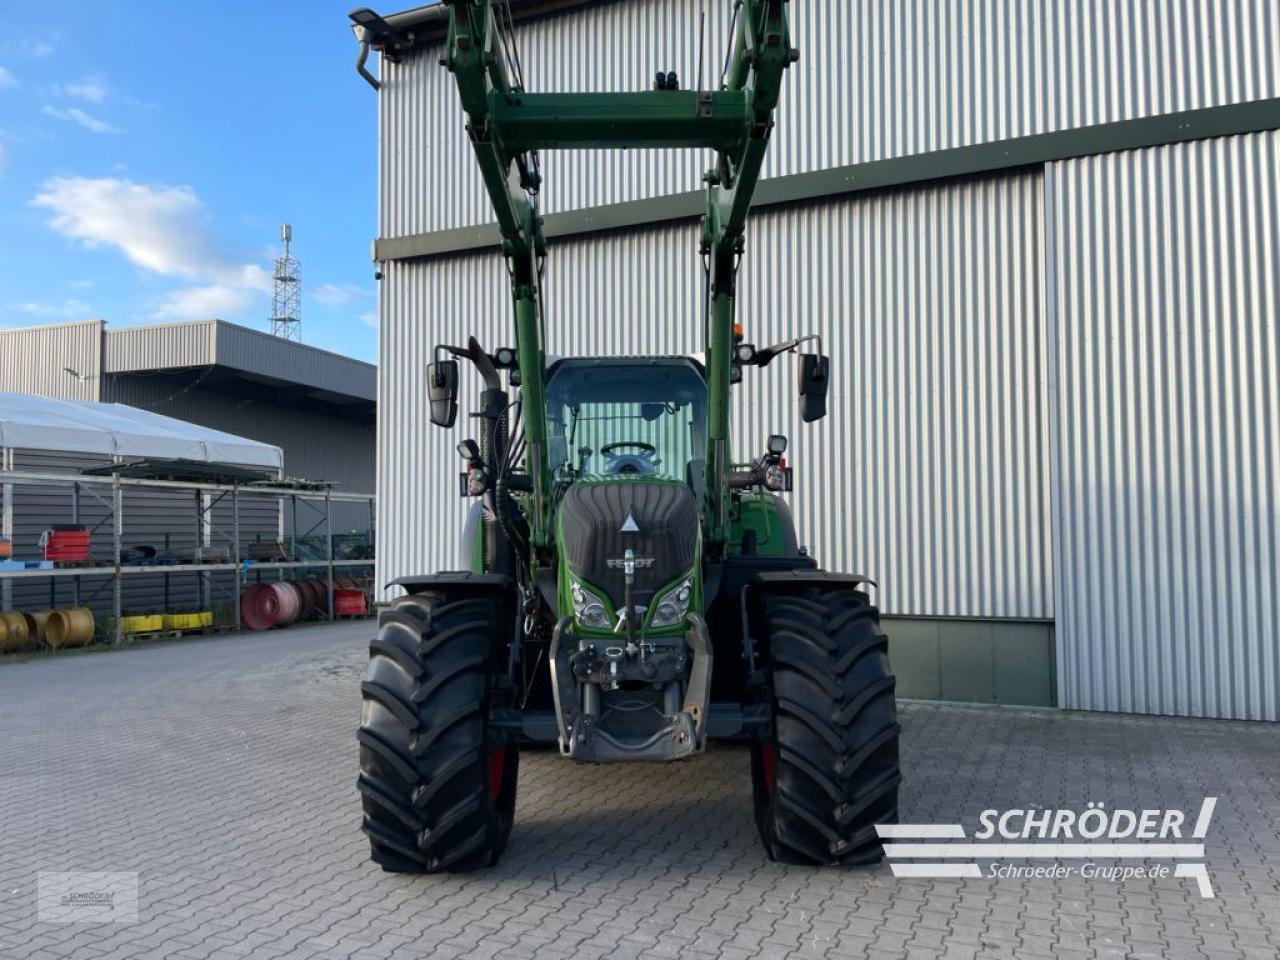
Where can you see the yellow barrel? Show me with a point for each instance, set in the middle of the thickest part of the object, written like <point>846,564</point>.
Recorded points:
<point>14,635</point>
<point>142,623</point>
<point>188,621</point>
<point>69,628</point>
<point>36,621</point>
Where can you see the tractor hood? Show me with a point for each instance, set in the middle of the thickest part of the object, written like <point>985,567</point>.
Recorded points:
<point>657,519</point>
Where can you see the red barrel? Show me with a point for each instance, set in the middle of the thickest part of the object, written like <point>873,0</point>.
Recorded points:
<point>259,606</point>
<point>348,602</point>
<point>304,598</point>
<point>290,599</point>
<point>317,596</point>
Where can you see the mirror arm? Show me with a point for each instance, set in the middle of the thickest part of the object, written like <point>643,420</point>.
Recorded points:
<point>765,355</point>
<point>475,353</point>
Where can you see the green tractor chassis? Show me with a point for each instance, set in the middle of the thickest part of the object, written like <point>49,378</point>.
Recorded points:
<point>626,592</point>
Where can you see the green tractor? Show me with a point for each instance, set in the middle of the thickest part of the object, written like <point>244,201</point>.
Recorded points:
<point>626,592</point>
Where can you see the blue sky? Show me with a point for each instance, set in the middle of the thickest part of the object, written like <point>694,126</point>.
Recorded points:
<point>149,152</point>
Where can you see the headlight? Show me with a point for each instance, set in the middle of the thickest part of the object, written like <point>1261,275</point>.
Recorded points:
<point>670,608</point>
<point>588,608</point>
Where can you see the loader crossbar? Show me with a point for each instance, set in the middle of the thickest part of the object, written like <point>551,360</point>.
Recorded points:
<point>644,119</point>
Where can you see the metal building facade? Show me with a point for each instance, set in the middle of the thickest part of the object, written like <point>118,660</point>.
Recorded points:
<point>1167,436</point>
<point>881,79</point>
<point>315,405</point>
<point>910,485</point>
<point>57,360</point>
<point>1005,366</point>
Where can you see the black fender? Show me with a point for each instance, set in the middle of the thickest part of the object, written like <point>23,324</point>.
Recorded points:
<point>770,580</point>
<point>498,588</point>
<point>456,581</point>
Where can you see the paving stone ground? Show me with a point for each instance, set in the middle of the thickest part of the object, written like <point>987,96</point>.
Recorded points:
<point>222,771</point>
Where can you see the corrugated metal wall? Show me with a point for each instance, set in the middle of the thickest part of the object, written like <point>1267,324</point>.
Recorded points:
<point>1048,391</point>
<point>161,345</point>
<point>257,351</point>
<point>1163,312</point>
<point>931,471</point>
<point>210,342</point>
<point>316,446</point>
<point>36,360</point>
<point>882,79</point>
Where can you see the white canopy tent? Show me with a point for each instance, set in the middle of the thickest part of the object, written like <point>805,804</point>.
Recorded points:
<point>113,429</point>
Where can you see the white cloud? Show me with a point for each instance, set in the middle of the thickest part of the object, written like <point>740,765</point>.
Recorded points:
<point>40,50</point>
<point>80,284</point>
<point>88,121</point>
<point>93,89</point>
<point>162,229</point>
<point>66,310</point>
<point>370,319</point>
<point>7,79</point>
<point>204,302</point>
<point>337,294</point>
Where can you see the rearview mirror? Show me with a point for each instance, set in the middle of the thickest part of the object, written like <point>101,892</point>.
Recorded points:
<point>815,378</point>
<point>442,390</point>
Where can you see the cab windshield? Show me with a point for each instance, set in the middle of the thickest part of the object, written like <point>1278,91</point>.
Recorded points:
<point>633,417</point>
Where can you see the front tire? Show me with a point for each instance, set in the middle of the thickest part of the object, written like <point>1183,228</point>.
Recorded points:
<point>829,772</point>
<point>438,794</point>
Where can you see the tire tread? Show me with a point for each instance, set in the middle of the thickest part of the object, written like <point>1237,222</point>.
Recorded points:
<point>835,744</point>
<point>424,743</point>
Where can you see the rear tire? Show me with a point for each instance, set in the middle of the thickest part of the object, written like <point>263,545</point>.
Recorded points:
<point>829,772</point>
<point>437,793</point>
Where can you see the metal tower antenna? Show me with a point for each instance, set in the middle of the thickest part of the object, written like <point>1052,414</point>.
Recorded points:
<point>286,292</point>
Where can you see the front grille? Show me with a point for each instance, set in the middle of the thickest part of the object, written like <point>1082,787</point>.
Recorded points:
<point>592,514</point>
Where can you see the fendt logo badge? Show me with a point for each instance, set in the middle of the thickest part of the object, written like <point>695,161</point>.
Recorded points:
<point>629,524</point>
<point>642,563</point>
<point>1096,833</point>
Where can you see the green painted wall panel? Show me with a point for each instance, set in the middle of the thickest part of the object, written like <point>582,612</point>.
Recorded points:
<point>972,661</point>
<point>914,654</point>
<point>1023,663</point>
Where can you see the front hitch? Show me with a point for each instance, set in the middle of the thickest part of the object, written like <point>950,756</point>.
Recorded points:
<point>683,728</point>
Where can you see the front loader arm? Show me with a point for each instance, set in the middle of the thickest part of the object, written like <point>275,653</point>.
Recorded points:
<point>474,54</point>
<point>760,54</point>
<point>507,125</point>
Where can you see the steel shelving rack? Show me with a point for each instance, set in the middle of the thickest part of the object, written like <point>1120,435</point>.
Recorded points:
<point>206,496</point>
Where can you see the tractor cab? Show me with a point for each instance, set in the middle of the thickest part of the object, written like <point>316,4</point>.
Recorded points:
<point>626,418</point>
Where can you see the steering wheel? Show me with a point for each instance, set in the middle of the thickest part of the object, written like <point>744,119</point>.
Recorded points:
<point>644,459</point>
<point>647,448</point>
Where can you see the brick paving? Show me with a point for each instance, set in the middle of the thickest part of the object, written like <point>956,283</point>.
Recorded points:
<point>223,772</point>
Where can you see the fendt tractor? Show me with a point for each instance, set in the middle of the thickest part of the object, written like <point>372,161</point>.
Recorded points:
<point>632,593</point>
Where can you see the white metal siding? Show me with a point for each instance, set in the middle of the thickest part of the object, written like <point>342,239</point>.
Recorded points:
<point>1167,451</point>
<point>930,473</point>
<point>876,80</point>
<point>36,360</point>
<point>160,345</point>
